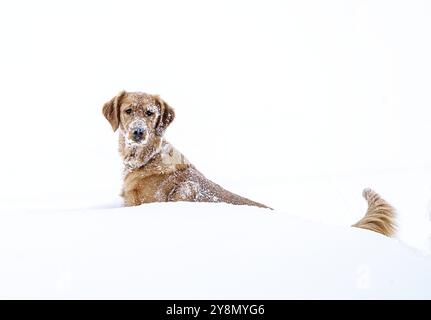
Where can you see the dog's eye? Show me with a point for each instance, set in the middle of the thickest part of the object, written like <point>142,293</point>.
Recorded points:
<point>128,111</point>
<point>149,113</point>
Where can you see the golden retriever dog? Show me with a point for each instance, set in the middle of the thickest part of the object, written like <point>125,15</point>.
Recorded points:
<point>154,171</point>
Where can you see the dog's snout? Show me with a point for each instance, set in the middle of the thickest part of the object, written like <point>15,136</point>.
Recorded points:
<point>138,133</point>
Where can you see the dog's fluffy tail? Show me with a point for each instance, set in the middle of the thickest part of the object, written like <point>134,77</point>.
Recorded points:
<point>380,216</point>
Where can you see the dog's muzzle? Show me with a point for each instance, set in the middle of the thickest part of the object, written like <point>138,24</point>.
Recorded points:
<point>138,133</point>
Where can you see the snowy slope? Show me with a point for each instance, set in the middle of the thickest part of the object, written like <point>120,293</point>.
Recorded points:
<point>198,251</point>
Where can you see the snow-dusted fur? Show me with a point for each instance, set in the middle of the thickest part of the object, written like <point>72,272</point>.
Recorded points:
<point>154,171</point>
<point>380,216</point>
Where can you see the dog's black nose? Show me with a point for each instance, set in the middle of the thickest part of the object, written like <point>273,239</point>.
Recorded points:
<point>137,134</point>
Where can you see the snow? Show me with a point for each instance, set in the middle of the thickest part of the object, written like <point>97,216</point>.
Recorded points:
<point>200,251</point>
<point>299,105</point>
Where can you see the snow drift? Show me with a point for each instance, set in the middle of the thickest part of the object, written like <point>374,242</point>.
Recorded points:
<point>200,251</point>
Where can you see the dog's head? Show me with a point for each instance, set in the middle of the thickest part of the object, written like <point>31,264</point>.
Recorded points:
<point>140,116</point>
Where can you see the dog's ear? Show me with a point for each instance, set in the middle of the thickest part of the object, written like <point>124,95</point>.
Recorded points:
<point>167,115</point>
<point>111,110</point>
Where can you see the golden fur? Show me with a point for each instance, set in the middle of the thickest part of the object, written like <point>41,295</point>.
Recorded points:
<point>154,171</point>
<point>380,216</point>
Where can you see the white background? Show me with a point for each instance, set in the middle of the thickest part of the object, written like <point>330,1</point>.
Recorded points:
<point>298,104</point>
